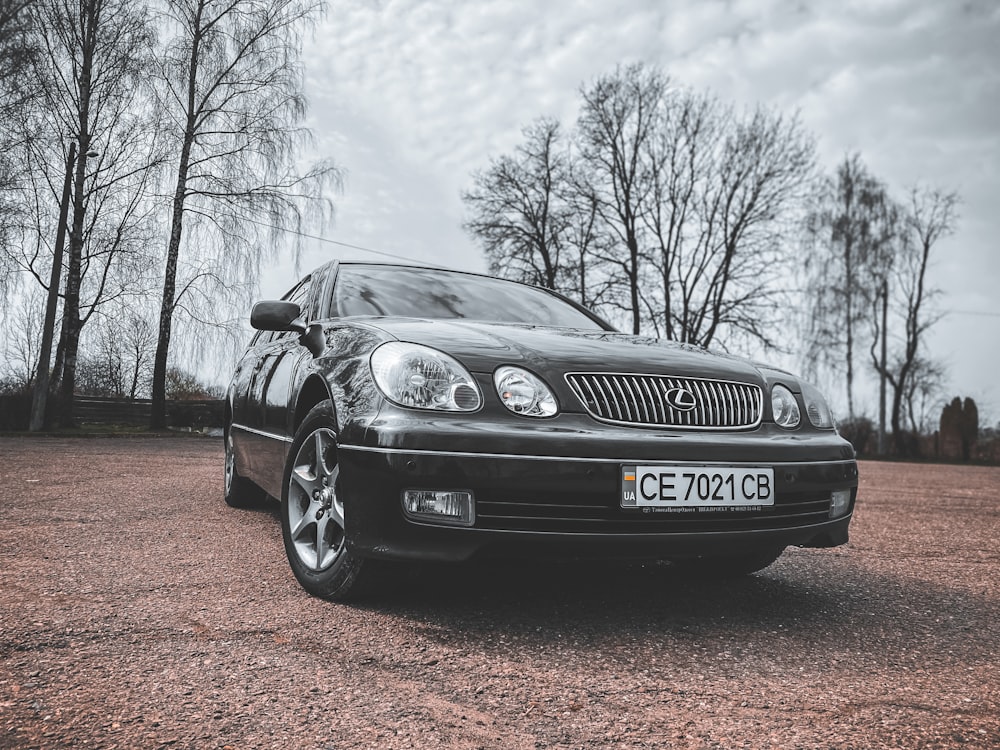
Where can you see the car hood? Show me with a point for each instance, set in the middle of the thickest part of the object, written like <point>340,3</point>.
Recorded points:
<point>482,347</point>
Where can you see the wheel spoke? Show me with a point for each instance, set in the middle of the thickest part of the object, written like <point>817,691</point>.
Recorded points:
<point>230,463</point>
<point>337,512</point>
<point>320,464</point>
<point>308,518</point>
<point>321,545</point>
<point>309,484</point>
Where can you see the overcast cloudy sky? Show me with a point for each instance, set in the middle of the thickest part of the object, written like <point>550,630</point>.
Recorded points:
<point>411,96</point>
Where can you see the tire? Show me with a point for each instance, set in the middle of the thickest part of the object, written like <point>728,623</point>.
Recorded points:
<point>312,514</point>
<point>728,566</point>
<point>240,492</point>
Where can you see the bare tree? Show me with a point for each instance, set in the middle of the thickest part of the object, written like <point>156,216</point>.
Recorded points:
<point>519,212</point>
<point>93,59</point>
<point>232,92</point>
<point>19,355</point>
<point>16,47</point>
<point>620,115</point>
<point>850,234</point>
<point>931,215</point>
<point>533,224</point>
<point>118,351</point>
<point>137,339</point>
<point>922,400</point>
<point>16,52</point>
<point>724,187</point>
<point>666,208</point>
<point>586,246</point>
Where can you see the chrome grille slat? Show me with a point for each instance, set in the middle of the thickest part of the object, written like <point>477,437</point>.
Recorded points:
<point>636,393</point>
<point>609,396</point>
<point>593,394</point>
<point>706,396</point>
<point>626,405</point>
<point>656,399</point>
<point>640,399</point>
<point>734,401</point>
<point>717,402</point>
<point>712,403</point>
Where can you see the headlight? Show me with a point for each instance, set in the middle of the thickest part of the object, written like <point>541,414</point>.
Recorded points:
<point>817,409</point>
<point>523,393</point>
<point>423,378</point>
<point>784,407</point>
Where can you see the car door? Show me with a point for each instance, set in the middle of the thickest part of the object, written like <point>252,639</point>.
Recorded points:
<point>271,395</point>
<point>240,385</point>
<point>243,411</point>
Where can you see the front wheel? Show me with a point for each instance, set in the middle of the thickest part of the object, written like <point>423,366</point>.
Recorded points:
<point>312,513</point>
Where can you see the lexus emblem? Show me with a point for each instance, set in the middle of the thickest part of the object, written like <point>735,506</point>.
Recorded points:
<point>681,399</point>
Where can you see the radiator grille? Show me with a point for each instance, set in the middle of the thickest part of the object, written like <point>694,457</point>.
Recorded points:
<point>643,400</point>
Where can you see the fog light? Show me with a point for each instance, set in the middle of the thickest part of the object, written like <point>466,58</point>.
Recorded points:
<point>840,501</point>
<point>439,506</point>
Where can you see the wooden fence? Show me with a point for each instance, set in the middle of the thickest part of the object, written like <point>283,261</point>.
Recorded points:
<point>97,410</point>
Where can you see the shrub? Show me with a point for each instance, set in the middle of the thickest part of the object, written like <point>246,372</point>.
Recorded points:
<point>859,432</point>
<point>15,407</point>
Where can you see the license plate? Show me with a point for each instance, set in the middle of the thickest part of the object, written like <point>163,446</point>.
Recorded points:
<point>692,487</point>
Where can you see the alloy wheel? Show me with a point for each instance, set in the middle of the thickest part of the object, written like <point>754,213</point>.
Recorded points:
<point>315,512</point>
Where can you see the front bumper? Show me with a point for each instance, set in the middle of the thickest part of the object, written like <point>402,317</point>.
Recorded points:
<point>564,501</point>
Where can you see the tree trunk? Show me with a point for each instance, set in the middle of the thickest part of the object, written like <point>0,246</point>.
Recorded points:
<point>134,386</point>
<point>158,416</point>
<point>849,321</point>
<point>40,396</point>
<point>898,436</point>
<point>158,419</point>
<point>633,251</point>
<point>72,324</point>
<point>882,369</point>
<point>57,366</point>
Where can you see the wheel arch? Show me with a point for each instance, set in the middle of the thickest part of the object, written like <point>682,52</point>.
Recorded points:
<point>314,390</point>
<point>227,409</point>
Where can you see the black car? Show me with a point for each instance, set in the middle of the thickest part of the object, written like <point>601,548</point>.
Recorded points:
<point>405,413</point>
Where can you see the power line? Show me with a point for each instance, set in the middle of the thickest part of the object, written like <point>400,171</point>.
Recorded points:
<point>333,242</point>
<point>983,313</point>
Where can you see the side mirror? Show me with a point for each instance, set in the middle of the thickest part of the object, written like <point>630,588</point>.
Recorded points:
<point>274,315</point>
<point>313,339</point>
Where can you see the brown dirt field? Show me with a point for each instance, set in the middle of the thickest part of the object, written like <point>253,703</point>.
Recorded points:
<point>138,611</point>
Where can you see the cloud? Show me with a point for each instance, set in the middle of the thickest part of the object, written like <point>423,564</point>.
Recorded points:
<point>412,96</point>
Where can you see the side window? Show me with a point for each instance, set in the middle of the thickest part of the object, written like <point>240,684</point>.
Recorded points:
<point>300,295</point>
<point>261,337</point>
<point>266,337</point>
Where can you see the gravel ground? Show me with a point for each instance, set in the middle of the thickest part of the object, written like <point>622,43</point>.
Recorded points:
<point>138,611</point>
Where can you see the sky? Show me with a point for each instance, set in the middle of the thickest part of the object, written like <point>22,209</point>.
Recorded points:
<point>411,97</point>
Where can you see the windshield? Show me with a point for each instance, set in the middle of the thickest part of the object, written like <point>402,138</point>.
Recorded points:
<point>432,293</point>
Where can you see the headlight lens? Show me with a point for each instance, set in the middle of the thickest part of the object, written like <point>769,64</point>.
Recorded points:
<point>423,378</point>
<point>817,409</point>
<point>784,407</point>
<point>524,393</point>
